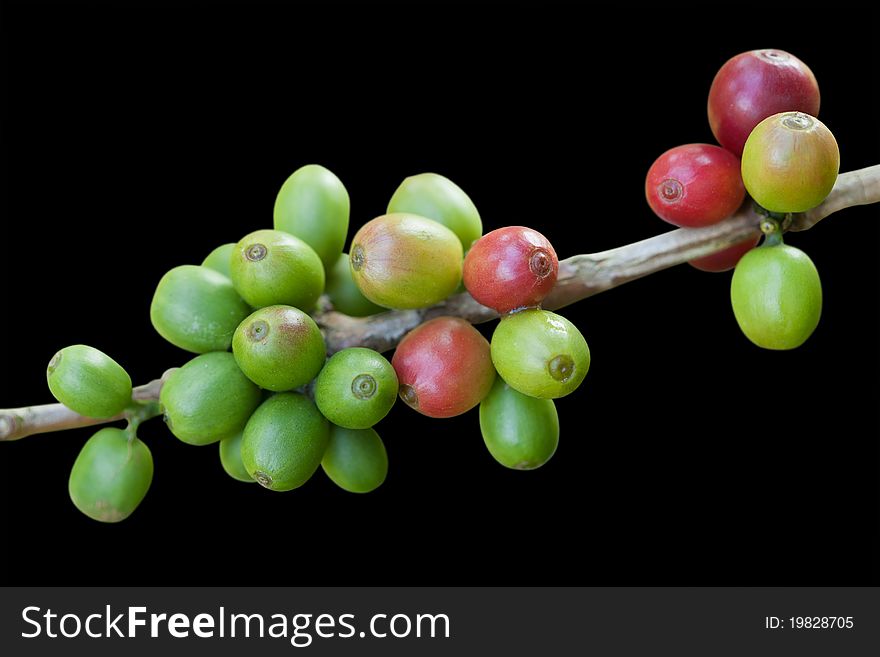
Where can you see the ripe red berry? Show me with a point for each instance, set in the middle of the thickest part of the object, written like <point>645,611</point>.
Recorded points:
<point>754,85</point>
<point>695,185</point>
<point>510,268</point>
<point>444,367</point>
<point>726,259</point>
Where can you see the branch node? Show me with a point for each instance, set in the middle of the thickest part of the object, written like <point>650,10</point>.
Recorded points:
<point>9,424</point>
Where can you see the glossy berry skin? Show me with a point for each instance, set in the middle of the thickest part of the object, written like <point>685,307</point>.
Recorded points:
<point>284,441</point>
<point>437,197</point>
<point>776,296</point>
<point>754,85</point>
<point>220,259</point>
<point>511,268</point>
<point>355,459</point>
<point>208,399</point>
<point>694,185</point>
<point>405,261</point>
<point>356,388</point>
<point>230,459</point>
<point>313,205</point>
<point>521,432</point>
<point>444,367</point>
<point>279,348</point>
<point>271,267</point>
<point>726,259</point>
<point>111,475</point>
<point>88,381</point>
<point>197,309</point>
<point>540,354</point>
<point>790,162</point>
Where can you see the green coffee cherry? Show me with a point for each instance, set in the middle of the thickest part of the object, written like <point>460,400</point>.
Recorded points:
<point>284,441</point>
<point>540,353</point>
<point>230,458</point>
<point>111,475</point>
<point>355,459</point>
<point>220,259</point>
<point>436,197</point>
<point>356,388</point>
<point>344,293</point>
<point>270,267</point>
<point>314,205</point>
<point>279,348</point>
<point>89,382</point>
<point>197,309</point>
<point>776,296</point>
<point>208,399</point>
<point>521,432</point>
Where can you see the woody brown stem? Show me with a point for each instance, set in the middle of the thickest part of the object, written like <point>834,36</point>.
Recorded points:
<point>580,276</point>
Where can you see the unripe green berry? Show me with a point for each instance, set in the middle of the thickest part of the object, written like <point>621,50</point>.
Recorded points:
<point>521,432</point>
<point>279,348</point>
<point>89,382</point>
<point>208,399</point>
<point>111,475</point>
<point>355,459</point>
<point>540,353</point>
<point>284,441</point>
<point>230,459</point>
<point>197,309</point>
<point>356,388</point>
<point>270,267</point>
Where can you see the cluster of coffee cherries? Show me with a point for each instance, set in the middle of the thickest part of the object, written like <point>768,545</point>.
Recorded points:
<point>261,384</point>
<point>762,111</point>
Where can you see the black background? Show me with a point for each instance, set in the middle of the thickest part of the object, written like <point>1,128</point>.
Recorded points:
<point>138,138</point>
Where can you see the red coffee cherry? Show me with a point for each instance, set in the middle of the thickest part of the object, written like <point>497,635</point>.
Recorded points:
<point>444,367</point>
<point>725,260</point>
<point>754,85</point>
<point>510,268</point>
<point>695,185</point>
